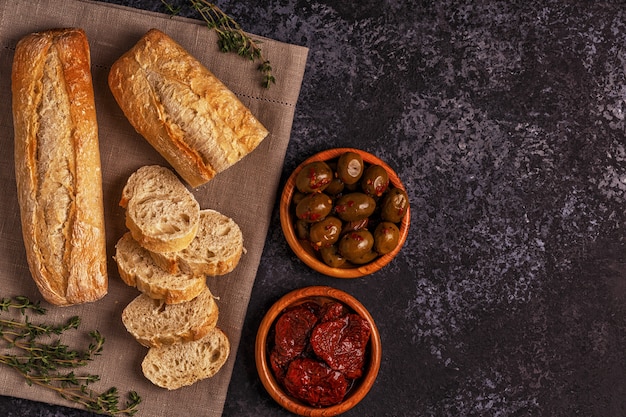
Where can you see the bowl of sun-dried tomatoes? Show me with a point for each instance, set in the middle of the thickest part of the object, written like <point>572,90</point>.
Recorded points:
<point>345,213</point>
<point>318,351</point>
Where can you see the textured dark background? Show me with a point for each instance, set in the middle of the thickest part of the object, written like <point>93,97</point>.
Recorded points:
<point>505,120</point>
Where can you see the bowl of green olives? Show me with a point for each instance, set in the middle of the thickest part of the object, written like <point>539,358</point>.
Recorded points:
<point>345,213</point>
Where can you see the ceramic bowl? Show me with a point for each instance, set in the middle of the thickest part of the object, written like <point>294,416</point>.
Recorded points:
<point>360,386</point>
<point>305,252</point>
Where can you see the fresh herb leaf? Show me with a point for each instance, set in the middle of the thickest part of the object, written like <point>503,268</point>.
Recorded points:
<point>231,37</point>
<point>40,362</point>
<point>173,10</point>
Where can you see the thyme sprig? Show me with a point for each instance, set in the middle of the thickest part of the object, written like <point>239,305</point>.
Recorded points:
<point>49,364</point>
<point>22,304</point>
<point>231,37</point>
<point>173,10</point>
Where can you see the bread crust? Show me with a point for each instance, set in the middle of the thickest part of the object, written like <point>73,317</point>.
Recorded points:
<point>189,116</point>
<point>57,166</point>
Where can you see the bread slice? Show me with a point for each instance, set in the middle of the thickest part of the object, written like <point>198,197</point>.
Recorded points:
<point>154,323</point>
<point>137,269</point>
<point>216,249</point>
<point>183,364</point>
<point>161,213</point>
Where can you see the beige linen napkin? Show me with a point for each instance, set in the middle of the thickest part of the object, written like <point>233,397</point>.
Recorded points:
<point>246,192</point>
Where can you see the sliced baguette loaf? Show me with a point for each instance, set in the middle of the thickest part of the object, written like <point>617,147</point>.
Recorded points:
<point>161,213</point>
<point>189,116</point>
<point>183,364</point>
<point>137,269</point>
<point>216,249</point>
<point>154,323</point>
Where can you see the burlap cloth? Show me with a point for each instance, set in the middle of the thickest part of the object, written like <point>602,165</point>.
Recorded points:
<point>246,192</point>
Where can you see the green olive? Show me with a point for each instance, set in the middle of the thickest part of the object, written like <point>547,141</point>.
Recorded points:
<point>386,236</point>
<point>314,207</point>
<point>331,256</point>
<point>394,205</point>
<point>350,188</point>
<point>325,232</point>
<point>356,244</point>
<point>302,229</point>
<point>367,257</point>
<point>354,206</point>
<point>355,225</point>
<point>297,197</point>
<point>314,177</point>
<point>375,180</point>
<point>335,187</point>
<point>350,167</point>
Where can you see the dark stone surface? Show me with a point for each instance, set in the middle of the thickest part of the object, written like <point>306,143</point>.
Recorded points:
<point>505,121</point>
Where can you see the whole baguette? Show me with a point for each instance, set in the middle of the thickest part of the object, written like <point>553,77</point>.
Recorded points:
<point>189,116</point>
<point>57,166</point>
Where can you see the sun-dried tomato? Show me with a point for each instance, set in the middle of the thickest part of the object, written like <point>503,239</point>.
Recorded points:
<point>314,382</point>
<point>341,343</point>
<point>331,311</point>
<point>313,307</point>
<point>279,364</point>
<point>292,331</point>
